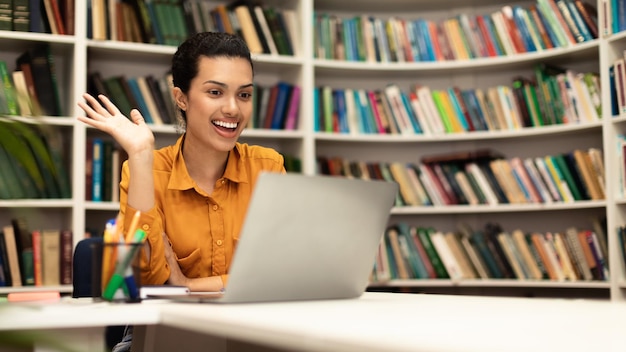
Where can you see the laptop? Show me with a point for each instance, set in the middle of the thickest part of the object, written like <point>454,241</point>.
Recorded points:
<point>306,238</point>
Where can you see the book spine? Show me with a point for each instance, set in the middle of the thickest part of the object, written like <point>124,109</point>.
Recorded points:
<point>37,257</point>
<point>98,170</point>
<point>67,246</point>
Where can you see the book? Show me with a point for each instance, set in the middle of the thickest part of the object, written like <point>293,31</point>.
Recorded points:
<point>293,110</point>
<point>248,29</point>
<point>41,62</point>
<point>571,237</point>
<point>138,97</point>
<point>533,270</point>
<point>265,29</point>
<point>537,240</point>
<point>97,182</point>
<point>589,16</point>
<point>450,262</point>
<point>37,263</point>
<point>13,257</point>
<point>552,255</point>
<point>51,256</point>
<point>421,252</point>
<point>153,291</point>
<point>26,70</point>
<point>8,99</point>
<point>407,191</point>
<point>424,235</point>
<point>281,108</point>
<point>473,253</point>
<point>504,239</point>
<point>570,271</point>
<point>118,95</point>
<point>5,270</point>
<point>399,260</point>
<point>410,252</point>
<point>278,30</point>
<point>491,232</point>
<point>53,13</point>
<point>21,92</point>
<point>152,110</point>
<point>24,245</point>
<point>461,256</point>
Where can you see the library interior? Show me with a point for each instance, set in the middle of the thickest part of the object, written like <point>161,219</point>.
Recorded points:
<point>502,123</point>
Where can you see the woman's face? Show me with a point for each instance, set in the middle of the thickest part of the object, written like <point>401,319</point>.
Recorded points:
<point>219,102</point>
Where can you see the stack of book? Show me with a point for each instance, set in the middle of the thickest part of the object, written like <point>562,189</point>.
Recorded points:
<point>103,170</point>
<point>553,96</point>
<point>484,178</point>
<point>23,95</point>
<point>266,29</point>
<point>512,30</point>
<point>152,95</point>
<point>276,107</point>
<point>34,257</point>
<point>416,252</point>
<point>47,16</point>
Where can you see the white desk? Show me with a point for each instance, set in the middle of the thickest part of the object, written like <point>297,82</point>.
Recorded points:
<point>77,324</point>
<point>375,322</point>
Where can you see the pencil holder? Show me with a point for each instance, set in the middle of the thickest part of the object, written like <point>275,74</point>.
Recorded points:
<point>120,278</point>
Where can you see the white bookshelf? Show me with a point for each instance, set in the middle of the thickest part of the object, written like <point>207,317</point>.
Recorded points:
<point>77,55</point>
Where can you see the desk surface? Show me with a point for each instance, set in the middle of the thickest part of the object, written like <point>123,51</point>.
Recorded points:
<point>75,312</point>
<point>374,322</point>
<point>415,322</point>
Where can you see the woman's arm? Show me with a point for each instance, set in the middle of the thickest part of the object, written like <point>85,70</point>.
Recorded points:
<point>138,141</point>
<point>135,137</point>
<point>212,283</point>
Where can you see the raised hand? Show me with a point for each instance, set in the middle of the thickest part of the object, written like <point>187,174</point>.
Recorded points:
<point>133,135</point>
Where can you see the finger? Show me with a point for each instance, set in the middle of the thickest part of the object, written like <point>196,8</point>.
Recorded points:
<point>88,110</point>
<point>94,104</point>
<point>93,119</point>
<point>166,240</point>
<point>136,117</point>
<point>111,108</point>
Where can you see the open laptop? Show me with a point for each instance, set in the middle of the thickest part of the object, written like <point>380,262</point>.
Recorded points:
<point>306,238</point>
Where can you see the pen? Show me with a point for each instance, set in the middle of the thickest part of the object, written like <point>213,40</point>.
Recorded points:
<point>123,276</point>
<point>133,226</point>
<point>108,258</point>
<point>131,285</point>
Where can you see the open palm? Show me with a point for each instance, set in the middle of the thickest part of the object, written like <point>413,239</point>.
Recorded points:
<point>132,134</point>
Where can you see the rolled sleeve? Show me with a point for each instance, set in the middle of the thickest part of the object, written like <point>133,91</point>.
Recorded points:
<point>154,270</point>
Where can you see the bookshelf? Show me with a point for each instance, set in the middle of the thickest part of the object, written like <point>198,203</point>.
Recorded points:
<point>528,142</point>
<point>78,55</point>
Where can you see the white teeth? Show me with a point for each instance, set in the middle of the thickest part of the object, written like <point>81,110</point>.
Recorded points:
<point>225,124</point>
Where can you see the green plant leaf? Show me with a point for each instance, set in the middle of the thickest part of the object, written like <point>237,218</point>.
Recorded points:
<point>17,146</point>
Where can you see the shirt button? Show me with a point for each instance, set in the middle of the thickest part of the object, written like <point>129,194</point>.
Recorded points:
<point>215,207</point>
<point>223,181</point>
<point>219,242</point>
<point>145,227</point>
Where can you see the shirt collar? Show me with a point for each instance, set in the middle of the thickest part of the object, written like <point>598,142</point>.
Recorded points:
<point>180,179</point>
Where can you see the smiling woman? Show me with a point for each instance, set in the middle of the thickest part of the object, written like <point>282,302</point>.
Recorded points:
<point>193,194</point>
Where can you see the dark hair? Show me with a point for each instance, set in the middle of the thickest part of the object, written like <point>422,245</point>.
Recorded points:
<point>208,44</point>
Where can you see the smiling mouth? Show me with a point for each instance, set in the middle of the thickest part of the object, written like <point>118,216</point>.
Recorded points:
<point>227,125</point>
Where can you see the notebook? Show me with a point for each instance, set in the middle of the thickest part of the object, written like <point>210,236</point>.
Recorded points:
<point>306,238</point>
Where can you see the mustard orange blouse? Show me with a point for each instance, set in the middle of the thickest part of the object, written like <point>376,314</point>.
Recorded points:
<point>203,229</point>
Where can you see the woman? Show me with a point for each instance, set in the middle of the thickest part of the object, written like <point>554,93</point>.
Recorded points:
<point>193,195</point>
